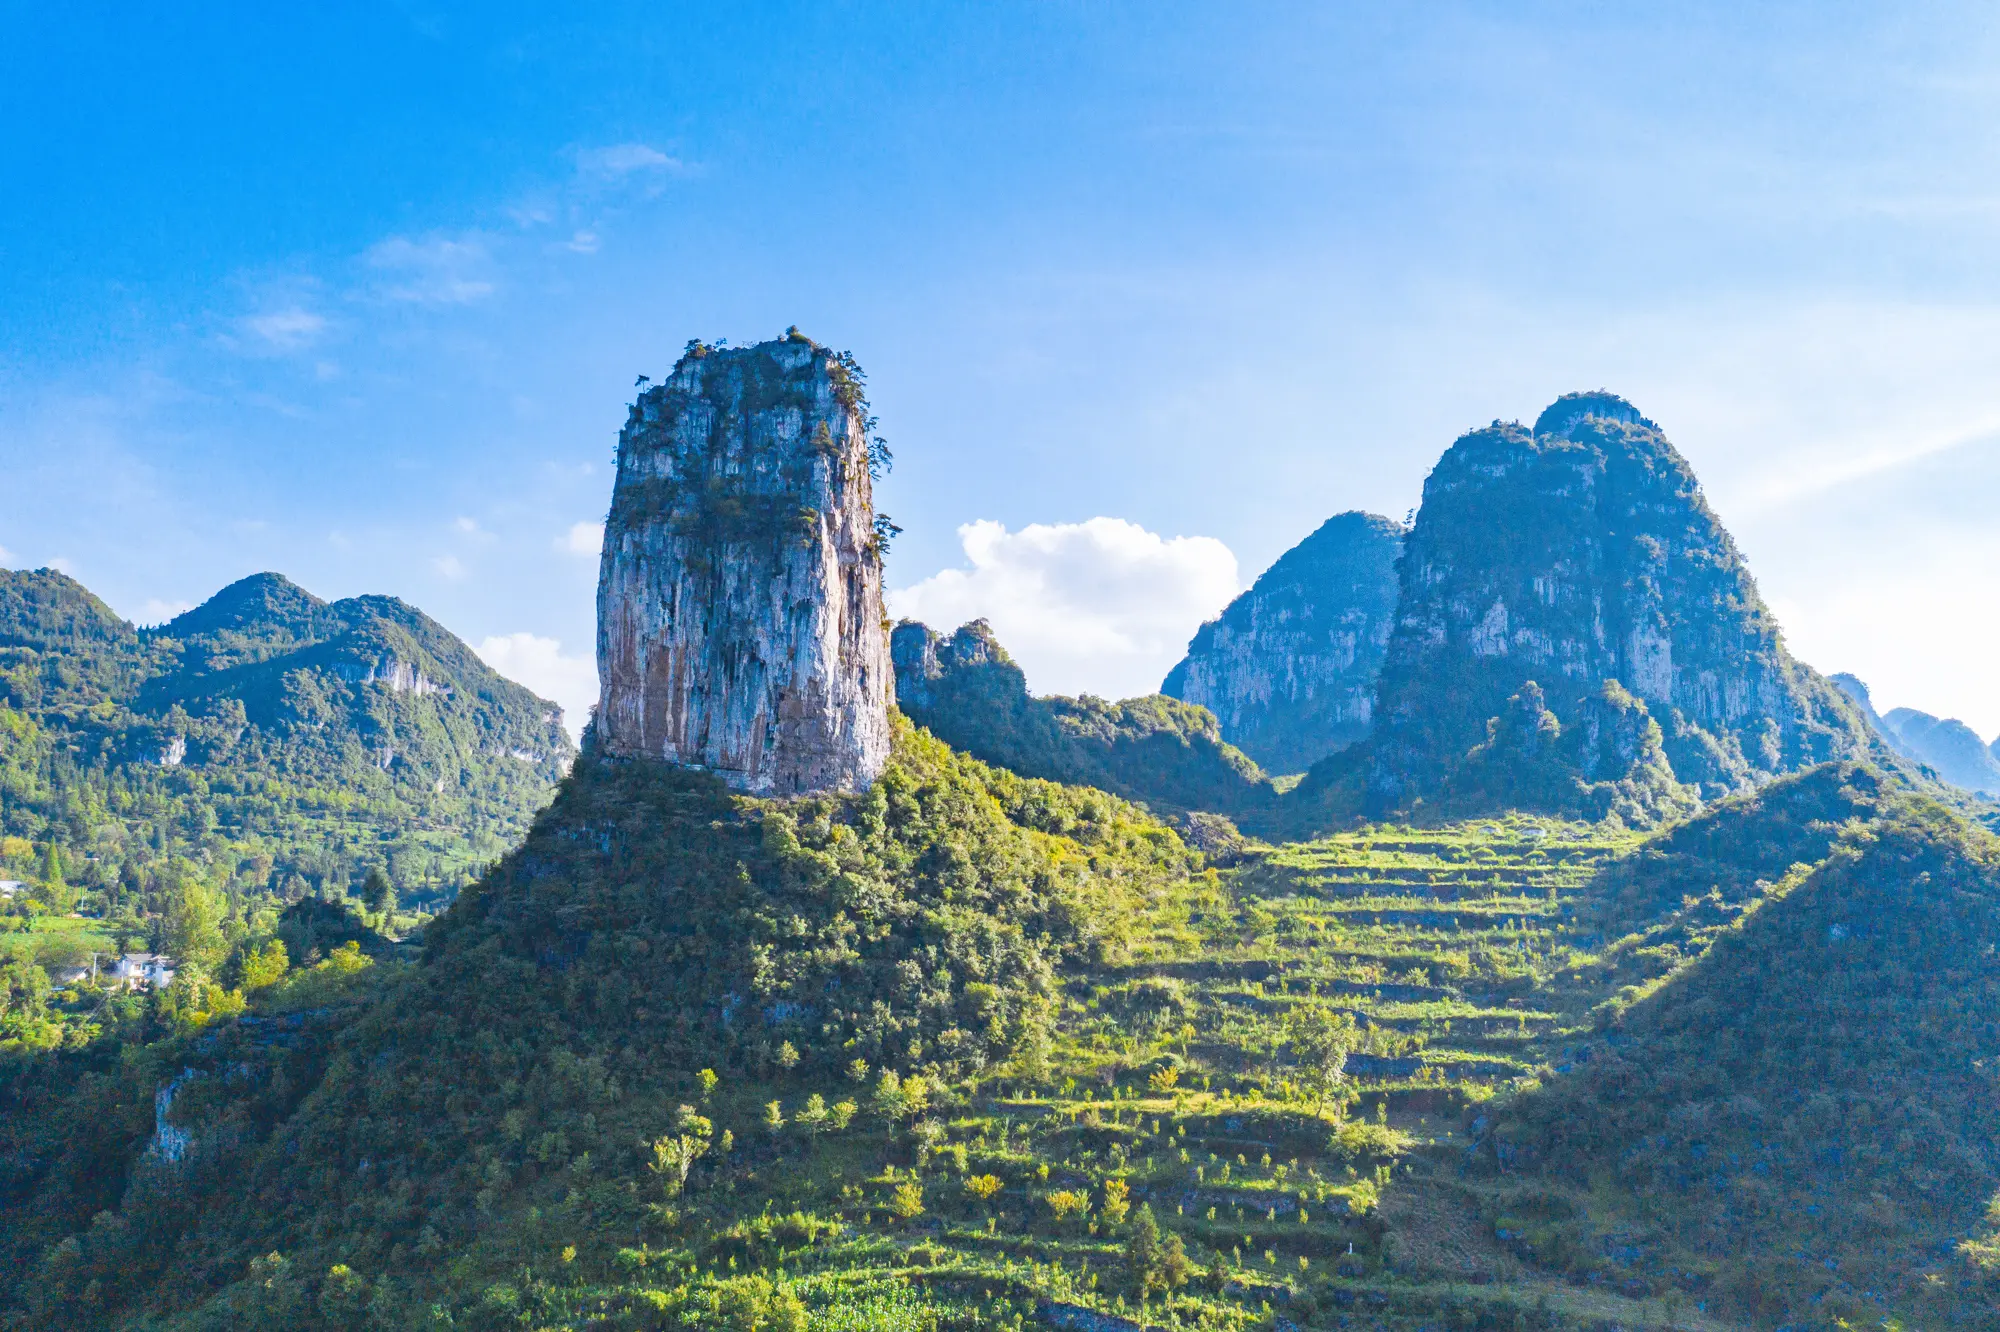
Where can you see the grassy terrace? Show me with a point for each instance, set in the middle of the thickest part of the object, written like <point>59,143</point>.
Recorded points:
<point>1451,948</point>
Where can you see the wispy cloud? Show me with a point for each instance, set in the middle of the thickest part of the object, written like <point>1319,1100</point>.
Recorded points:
<point>625,159</point>
<point>448,567</point>
<point>285,330</point>
<point>435,269</point>
<point>6,557</point>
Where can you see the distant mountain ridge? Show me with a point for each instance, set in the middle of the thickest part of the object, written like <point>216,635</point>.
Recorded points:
<point>1571,630</point>
<point>1946,745</point>
<point>1289,666</point>
<point>966,690</point>
<point>324,735</point>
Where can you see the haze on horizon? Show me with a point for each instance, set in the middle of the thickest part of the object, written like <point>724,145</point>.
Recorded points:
<point>1145,293</point>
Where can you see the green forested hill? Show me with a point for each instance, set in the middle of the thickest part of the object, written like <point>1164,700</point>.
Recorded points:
<point>970,693</point>
<point>1618,1013</point>
<point>1797,1120</point>
<point>267,741</point>
<point>975,1051</point>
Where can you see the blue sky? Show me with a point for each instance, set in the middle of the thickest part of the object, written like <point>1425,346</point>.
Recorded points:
<point>1145,292</point>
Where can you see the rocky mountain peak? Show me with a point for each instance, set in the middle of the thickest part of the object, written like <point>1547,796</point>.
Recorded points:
<point>1570,408</point>
<point>740,616</point>
<point>1573,556</point>
<point>1289,667</point>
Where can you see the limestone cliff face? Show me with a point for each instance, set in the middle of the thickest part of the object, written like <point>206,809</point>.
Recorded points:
<point>739,602</point>
<point>1574,555</point>
<point>1289,667</point>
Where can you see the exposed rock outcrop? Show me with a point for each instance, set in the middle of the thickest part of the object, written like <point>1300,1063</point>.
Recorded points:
<point>739,603</point>
<point>1576,556</point>
<point>1289,667</point>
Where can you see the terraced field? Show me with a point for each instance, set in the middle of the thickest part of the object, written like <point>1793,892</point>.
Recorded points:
<point>1461,955</point>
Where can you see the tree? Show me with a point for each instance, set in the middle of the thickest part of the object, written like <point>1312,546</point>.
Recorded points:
<point>193,934</point>
<point>756,1304</point>
<point>264,964</point>
<point>1155,1263</point>
<point>1066,1203</point>
<point>377,893</point>
<point>55,892</point>
<point>1175,1269</point>
<point>674,1154</point>
<point>888,1098</point>
<point>1142,1252</point>
<point>192,1001</point>
<point>813,1117</point>
<point>1318,1039</point>
<point>908,1200</point>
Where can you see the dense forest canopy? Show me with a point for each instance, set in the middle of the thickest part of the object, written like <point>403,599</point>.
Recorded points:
<point>262,747</point>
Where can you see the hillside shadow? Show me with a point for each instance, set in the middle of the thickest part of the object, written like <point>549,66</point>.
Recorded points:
<point>1795,1118</point>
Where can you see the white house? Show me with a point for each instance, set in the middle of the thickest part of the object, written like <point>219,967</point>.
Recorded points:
<point>149,970</point>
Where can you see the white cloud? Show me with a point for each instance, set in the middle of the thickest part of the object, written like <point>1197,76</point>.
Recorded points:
<point>449,566</point>
<point>62,564</point>
<point>540,664</point>
<point>622,159</point>
<point>435,270</point>
<point>6,557</point>
<point>582,539</point>
<point>288,329</point>
<point>159,611</point>
<point>1103,607</point>
<point>583,242</point>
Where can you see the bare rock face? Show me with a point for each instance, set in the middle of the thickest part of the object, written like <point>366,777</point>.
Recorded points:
<point>739,602</point>
<point>1289,667</point>
<point>1580,558</point>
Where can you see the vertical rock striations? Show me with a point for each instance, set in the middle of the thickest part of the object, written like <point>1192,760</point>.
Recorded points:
<point>1581,559</point>
<point>1289,667</point>
<point>739,603</point>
